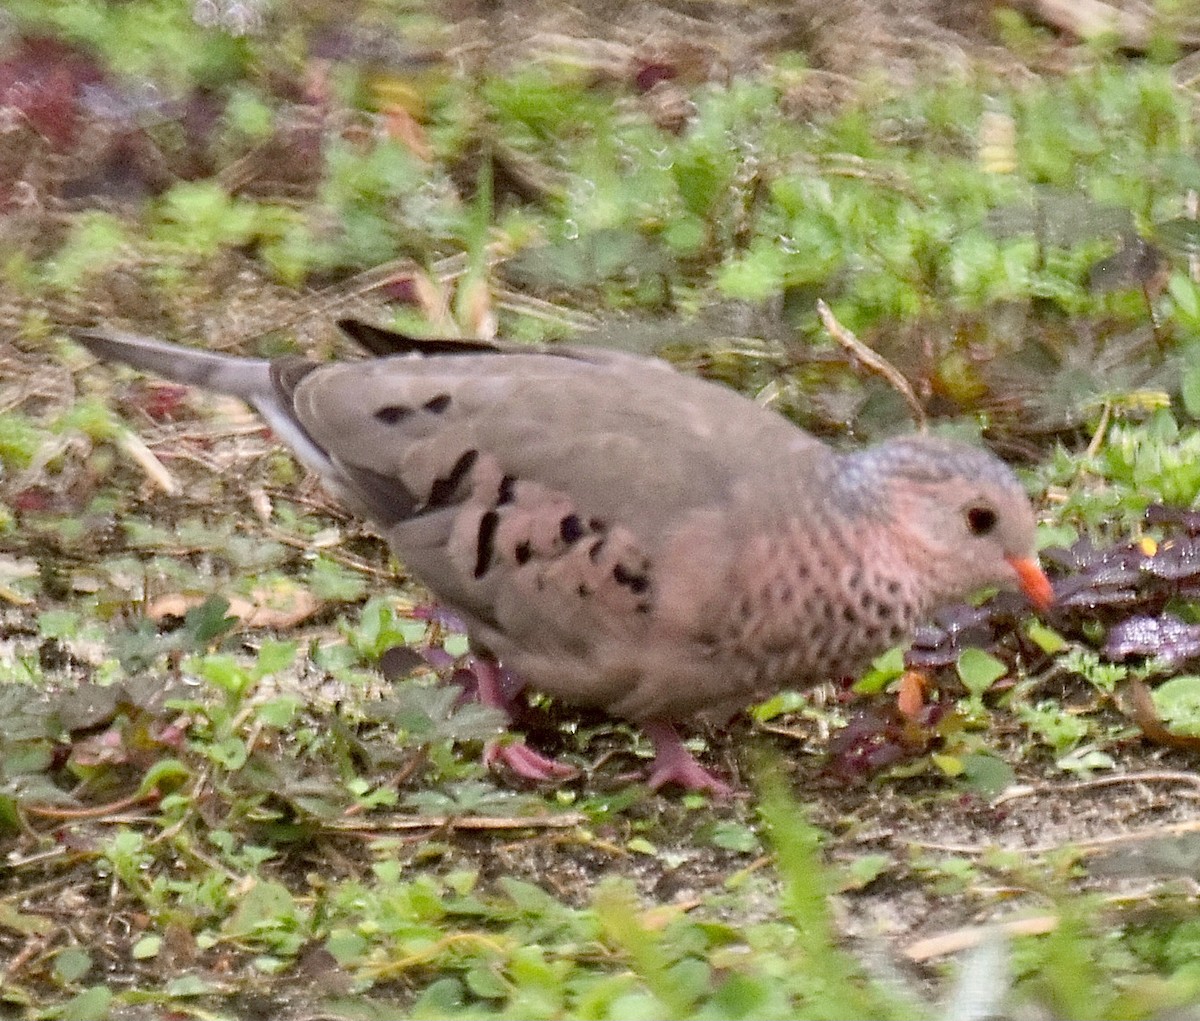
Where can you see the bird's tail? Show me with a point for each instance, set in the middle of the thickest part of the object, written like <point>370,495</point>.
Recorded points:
<point>248,378</point>
<point>263,384</point>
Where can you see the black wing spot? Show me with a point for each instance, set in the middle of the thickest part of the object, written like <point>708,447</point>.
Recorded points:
<point>507,491</point>
<point>523,552</point>
<point>443,490</point>
<point>571,529</point>
<point>485,543</point>
<point>583,590</point>
<point>632,580</point>
<point>643,607</point>
<point>595,550</point>
<point>437,404</point>
<point>392,414</point>
<point>598,525</point>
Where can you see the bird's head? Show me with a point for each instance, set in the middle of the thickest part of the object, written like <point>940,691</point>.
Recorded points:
<point>961,515</point>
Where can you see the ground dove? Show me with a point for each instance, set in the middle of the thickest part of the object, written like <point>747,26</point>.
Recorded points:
<point>620,535</point>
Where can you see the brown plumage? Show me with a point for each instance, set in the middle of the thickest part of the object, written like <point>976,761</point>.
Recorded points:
<point>620,535</point>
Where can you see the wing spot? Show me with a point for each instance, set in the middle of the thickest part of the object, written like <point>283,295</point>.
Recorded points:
<point>443,490</point>
<point>523,552</point>
<point>636,582</point>
<point>643,607</point>
<point>595,549</point>
<point>393,414</point>
<point>583,591</point>
<point>485,543</point>
<point>571,529</point>
<point>437,404</point>
<point>597,524</point>
<point>507,490</point>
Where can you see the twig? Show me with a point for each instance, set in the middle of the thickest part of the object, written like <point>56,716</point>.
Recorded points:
<point>957,940</point>
<point>95,812</point>
<point>1148,776</point>
<point>1084,847</point>
<point>144,457</point>
<point>1093,448</point>
<point>873,361</point>
<point>467,822</point>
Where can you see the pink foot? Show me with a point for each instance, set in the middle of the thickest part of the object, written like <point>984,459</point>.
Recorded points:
<point>525,762</point>
<point>498,688</point>
<point>673,763</point>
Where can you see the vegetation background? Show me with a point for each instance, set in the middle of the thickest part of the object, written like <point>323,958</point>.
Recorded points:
<point>233,779</point>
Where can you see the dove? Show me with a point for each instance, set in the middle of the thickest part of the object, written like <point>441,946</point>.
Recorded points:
<point>618,534</point>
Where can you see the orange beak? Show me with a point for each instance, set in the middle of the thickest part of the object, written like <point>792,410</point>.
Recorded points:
<point>1034,582</point>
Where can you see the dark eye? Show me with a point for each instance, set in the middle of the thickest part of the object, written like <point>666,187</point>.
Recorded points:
<point>981,520</point>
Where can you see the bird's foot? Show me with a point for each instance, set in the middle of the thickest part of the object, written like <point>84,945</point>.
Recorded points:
<point>497,688</point>
<point>527,763</point>
<point>673,763</point>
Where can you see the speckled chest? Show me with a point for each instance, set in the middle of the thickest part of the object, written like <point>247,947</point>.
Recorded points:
<point>819,605</point>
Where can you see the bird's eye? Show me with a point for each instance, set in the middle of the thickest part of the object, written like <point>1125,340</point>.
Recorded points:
<point>981,520</point>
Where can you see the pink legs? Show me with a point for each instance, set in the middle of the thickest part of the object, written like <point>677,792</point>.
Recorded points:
<point>497,688</point>
<point>673,763</point>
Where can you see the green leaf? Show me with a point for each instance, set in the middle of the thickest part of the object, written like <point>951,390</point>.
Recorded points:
<point>265,905</point>
<point>1185,295</point>
<point>165,775</point>
<point>979,670</point>
<point>89,1005</point>
<point>987,774</point>
<point>146,947</point>
<point>230,752</point>
<point>58,624</point>
<point>274,656</point>
<point>1046,639</point>
<point>71,964</point>
<point>345,946</point>
<point>884,670</point>
<point>863,871</point>
<point>279,711</point>
<point>485,983</point>
<point>735,836</point>
<point>1189,388</point>
<point>188,985</point>
<point>1178,703</point>
<point>223,671</point>
<point>333,583</point>
<point>209,620</point>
